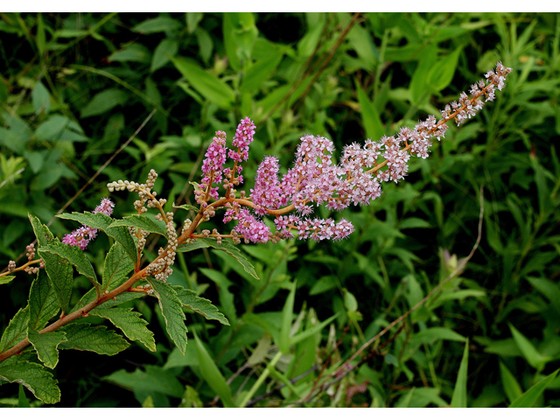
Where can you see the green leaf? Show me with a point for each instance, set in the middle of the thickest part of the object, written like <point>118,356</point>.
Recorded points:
<point>117,267</point>
<point>212,374</point>
<point>286,324</point>
<point>226,247</point>
<point>46,346</point>
<point>147,222</point>
<point>200,305</point>
<point>370,116</point>
<point>40,99</point>
<point>74,255</point>
<point>209,86</point>
<point>33,376</point>
<point>530,353</point>
<point>57,268</point>
<point>172,311</point>
<point>154,380</point>
<point>510,384</point>
<point>104,101</point>
<point>532,396</point>
<point>459,398</point>
<point>42,303</point>
<point>6,279</point>
<point>136,53</point>
<point>157,24</point>
<point>240,33</point>
<point>430,335</point>
<point>102,222</point>
<point>98,339</point>
<point>163,53</point>
<point>16,329</point>
<point>441,74</point>
<point>130,323</point>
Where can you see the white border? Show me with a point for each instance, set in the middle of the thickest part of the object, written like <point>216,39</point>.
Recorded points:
<point>280,6</point>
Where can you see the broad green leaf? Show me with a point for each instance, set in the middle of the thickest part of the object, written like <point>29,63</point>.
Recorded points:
<point>117,267</point>
<point>16,329</point>
<point>306,46</point>
<point>57,268</point>
<point>102,221</point>
<point>370,116</point>
<point>146,222</point>
<point>532,396</point>
<point>6,279</point>
<point>157,24</point>
<point>130,323</point>
<point>40,99</point>
<point>459,398</point>
<point>209,86</point>
<point>153,380</point>
<point>74,255</point>
<point>104,101</point>
<point>134,52</point>
<point>43,304</point>
<point>95,338</point>
<point>420,87</point>
<point>172,311</point>
<point>240,33</point>
<point>226,247</point>
<point>166,49</point>
<point>200,305</point>
<point>530,353</point>
<point>46,346</point>
<point>421,397</point>
<point>441,74</point>
<point>212,374</point>
<point>510,384</point>
<point>260,72</point>
<point>33,376</point>
<point>430,335</point>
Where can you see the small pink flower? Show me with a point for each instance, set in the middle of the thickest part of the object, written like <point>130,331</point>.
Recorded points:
<point>82,236</point>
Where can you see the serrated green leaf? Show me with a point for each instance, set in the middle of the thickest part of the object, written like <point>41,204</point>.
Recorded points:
<point>153,380</point>
<point>172,311</point>
<point>74,255</point>
<point>42,233</point>
<point>58,269</point>
<point>212,374</point>
<point>98,339</point>
<point>60,276</point>
<point>16,329</point>
<point>226,247</point>
<point>6,279</point>
<point>209,86</point>
<point>200,305</point>
<point>33,376</point>
<point>46,346</point>
<point>42,302</point>
<point>146,222</point>
<point>531,397</point>
<point>130,323</point>
<point>101,222</point>
<point>117,267</point>
<point>459,398</point>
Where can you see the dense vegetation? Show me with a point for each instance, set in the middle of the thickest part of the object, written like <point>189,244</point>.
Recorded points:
<point>474,315</point>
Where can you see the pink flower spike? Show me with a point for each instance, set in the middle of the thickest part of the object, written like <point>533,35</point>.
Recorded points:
<point>82,236</point>
<point>250,228</point>
<point>242,139</point>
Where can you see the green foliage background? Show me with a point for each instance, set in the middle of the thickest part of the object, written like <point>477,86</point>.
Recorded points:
<point>74,88</point>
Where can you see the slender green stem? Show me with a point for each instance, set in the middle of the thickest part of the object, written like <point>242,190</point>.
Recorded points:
<point>260,380</point>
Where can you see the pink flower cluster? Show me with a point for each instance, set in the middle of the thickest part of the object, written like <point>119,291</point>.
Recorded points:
<point>82,236</point>
<point>316,179</point>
